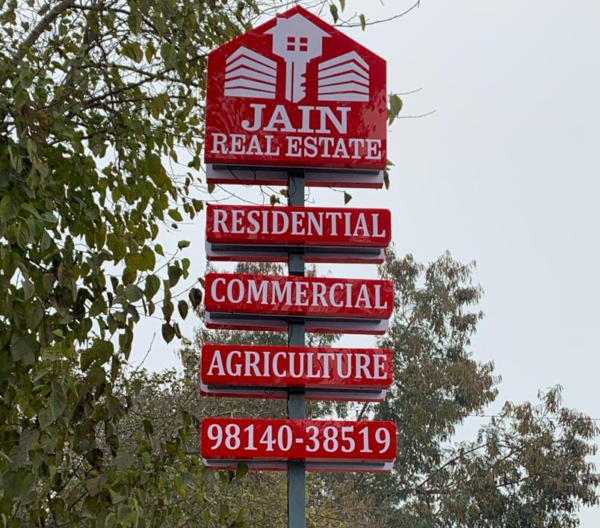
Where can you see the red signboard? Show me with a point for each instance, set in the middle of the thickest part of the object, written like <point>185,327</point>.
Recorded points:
<point>237,232</point>
<point>326,304</point>
<point>368,445</point>
<point>295,92</point>
<point>349,374</point>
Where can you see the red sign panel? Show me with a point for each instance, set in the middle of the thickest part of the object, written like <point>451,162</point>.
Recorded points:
<point>296,92</point>
<point>308,440</point>
<point>271,366</point>
<point>298,226</point>
<point>267,295</point>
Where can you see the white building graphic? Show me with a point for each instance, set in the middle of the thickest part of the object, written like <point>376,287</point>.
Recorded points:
<point>248,74</point>
<point>297,41</point>
<point>345,78</point>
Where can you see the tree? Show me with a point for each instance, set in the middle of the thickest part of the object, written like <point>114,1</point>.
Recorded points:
<point>101,131</point>
<point>98,100</point>
<point>528,467</point>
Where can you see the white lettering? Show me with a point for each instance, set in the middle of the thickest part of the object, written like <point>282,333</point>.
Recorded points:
<point>238,368</point>
<point>363,297</point>
<point>258,115</point>
<point>241,291</point>
<point>220,223</point>
<point>280,117</point>
<point>297,218</point>
<point>327,115</point>
<point>252,360</point>
<point>216,363</point>
<point>378,304</point>
<point>254,292</point>
<point>219,141</point>
<point>213,289</point>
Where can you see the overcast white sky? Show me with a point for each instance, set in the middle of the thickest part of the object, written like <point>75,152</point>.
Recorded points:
<point>506,172</point>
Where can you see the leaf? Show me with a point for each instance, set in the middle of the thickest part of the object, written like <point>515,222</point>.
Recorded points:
<point>49,280</point>
<point>242,470</point>
<point>168,332</point>
<point>183,308</point>
<point>28,289</point>
<point>195,297</point>
<point>135,22</point>
<point>174,273</point>
<point>24,349</point>
<point>23,236</point>
<point>45,419</point>
<point>133,293</point>
<point>347,198</point>
<point>116,497</point>
<point>334,12</point>
<point>150,51</point>
<point>28,438</point>
<point>96,376</point>
<point>34,312</point>
<point>386,179</point>
<point>152,286</point>
<point>169,55</point>
<point>8,208</point>
<point>133,51</point>
<point>100,352</point>
<point>58,401</point>
<point>363,22</point>
<point>175,215</point>
<point>182,244</point>
<point>177,330</point>
<point>18,483</point>
<point>343,4</point>
<point>395,107</point>
<point>95,485</point>
<point>147,259</point>
<point>148,427</point>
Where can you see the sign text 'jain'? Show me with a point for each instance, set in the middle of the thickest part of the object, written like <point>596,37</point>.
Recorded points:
<point>327,126</point>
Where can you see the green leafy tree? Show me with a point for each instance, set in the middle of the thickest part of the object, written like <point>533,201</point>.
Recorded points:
<point>99,100</point>
<point>101,131</point>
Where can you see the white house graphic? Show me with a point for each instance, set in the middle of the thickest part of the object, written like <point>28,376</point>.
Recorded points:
<point>297,41</point>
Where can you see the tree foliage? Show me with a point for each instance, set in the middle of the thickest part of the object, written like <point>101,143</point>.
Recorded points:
<point>101,127</point>
<point>101,131</point>
<point>529,466</point>
<point>99,100</point>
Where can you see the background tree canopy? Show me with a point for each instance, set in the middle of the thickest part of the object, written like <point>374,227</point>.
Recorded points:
<point>101,127</point>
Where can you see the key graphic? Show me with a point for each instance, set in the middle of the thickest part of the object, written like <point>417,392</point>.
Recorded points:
<point>297,41</point>
<point>295,71</point>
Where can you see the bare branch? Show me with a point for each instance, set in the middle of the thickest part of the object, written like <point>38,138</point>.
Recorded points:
<point>383,20</point>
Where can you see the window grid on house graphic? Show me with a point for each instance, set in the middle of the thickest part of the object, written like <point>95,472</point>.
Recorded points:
<point>297,44</point>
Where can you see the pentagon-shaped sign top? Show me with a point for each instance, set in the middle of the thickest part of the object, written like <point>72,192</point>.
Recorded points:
<point>296,93</point>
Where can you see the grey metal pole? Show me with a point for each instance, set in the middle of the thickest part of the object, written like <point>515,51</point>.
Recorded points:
<point>296,397</point>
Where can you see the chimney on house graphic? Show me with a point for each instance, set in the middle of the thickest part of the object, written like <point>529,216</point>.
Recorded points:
<point>298,41</point>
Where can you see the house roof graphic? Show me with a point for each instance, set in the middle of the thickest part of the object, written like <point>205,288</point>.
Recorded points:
<point>296,25</point>
<point>298,40</point>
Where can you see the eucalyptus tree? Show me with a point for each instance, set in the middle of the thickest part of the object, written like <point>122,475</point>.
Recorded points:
<point>529,466</point>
